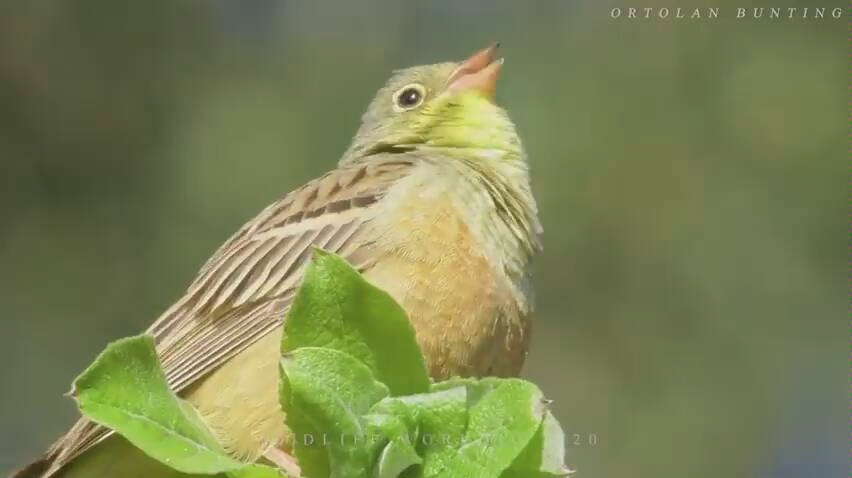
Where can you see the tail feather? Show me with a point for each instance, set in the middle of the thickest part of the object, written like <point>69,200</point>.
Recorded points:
<point>36,469</point>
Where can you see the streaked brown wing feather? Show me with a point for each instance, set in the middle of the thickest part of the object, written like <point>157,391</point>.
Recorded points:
<point>240,294</point>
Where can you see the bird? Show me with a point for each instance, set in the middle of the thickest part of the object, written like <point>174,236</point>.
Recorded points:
<point>431,201</point>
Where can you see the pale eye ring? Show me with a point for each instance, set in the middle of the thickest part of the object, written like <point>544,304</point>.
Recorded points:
<point>409,96</point>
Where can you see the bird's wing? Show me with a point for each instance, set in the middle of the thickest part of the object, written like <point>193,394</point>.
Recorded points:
<point>241,292</point>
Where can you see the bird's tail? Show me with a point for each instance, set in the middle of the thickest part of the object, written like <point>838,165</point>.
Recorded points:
<point>36,469</point>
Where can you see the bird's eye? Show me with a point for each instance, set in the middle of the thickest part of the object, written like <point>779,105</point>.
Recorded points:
<point>409,97</point>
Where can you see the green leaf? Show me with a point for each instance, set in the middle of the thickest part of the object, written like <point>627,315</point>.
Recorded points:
<point>502,422</point>
<point>475,388</point>
<point>337,308</point>
<point>257,471</point>
<point>503,417</point>
<point>392,433</point>
<point>125,390</point>
<point>396,457</point>
<point>544,456</point>
<point>435,423</point>
<point>326,394</point>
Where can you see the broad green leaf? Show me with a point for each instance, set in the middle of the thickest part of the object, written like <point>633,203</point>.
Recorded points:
<point>257,471</point>
<point>125,389</point>
<point>453,382</point>
<point>544,456</point>
<point>393,433</point>
<point>326,392</point>
<point>503,417</point>
<point>476,387</point>
<point>394,458</point>
<point>381,428</point>
<point>502,422</point>
<point>337,308</point>
<point>435,422</point>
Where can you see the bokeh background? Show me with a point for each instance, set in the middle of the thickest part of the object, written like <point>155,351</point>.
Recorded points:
<point>691,176</point>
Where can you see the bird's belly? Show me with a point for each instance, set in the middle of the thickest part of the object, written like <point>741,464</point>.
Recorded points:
<point>466,325</point>
<point>239,400</point>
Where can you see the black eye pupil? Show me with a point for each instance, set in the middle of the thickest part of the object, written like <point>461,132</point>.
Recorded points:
<point>409,97</point>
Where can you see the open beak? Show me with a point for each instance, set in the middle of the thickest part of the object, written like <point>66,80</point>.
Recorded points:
<point>479,72</point>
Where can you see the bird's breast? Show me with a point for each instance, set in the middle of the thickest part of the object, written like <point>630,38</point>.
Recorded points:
<point>465,311</point>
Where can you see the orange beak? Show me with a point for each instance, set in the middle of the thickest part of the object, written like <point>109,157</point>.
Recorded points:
<point>479,72</point>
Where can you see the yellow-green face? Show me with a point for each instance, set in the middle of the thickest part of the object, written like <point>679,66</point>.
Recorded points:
<point>419,106</point>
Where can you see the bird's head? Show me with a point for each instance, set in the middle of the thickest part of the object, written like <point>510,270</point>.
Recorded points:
<point>444,105</point>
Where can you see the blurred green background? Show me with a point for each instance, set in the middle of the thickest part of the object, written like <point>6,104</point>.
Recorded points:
<point>691,176</point>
